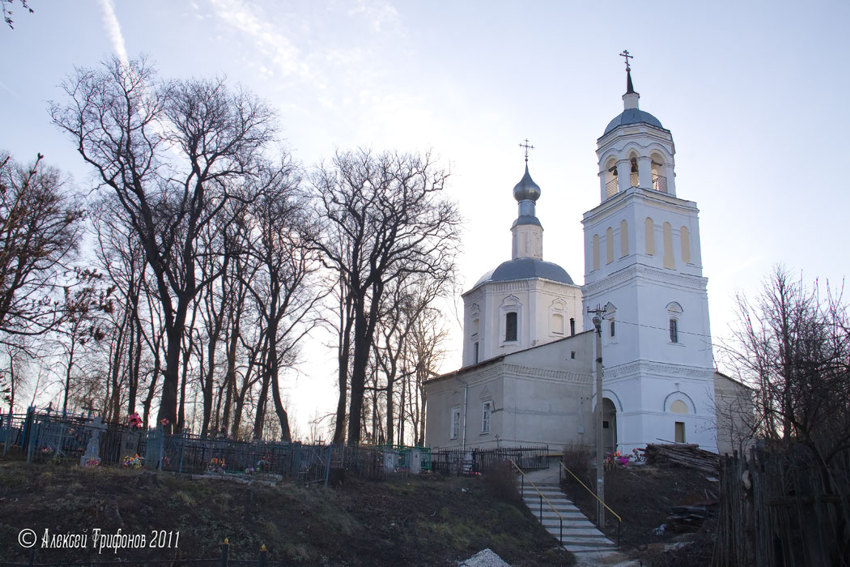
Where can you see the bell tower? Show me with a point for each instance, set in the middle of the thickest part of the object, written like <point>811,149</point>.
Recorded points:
<point>643,266</point>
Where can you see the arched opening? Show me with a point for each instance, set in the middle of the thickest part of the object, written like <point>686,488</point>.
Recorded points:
<point>659,179</point>
<point>609,425</point>
<point>611,178</point>
<point>609,245</point>
<point>634,178</point>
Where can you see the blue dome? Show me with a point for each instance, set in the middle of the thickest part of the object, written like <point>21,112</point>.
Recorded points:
<point>633,116</point>
<point>526,269</point>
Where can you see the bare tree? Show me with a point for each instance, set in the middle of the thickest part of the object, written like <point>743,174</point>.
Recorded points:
<point>39,232</point>
<point>281,285</point>
<point>6,6</point>
<point>383,217</point>
<point>406,302</point>
<point>175,155</point>
<point>793,346</point>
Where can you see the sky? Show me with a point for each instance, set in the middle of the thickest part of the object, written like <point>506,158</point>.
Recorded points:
<point>754,94</point>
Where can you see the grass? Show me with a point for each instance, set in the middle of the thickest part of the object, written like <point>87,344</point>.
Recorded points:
<point>428,520</point>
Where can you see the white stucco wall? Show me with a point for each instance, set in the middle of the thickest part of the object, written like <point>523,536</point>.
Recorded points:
<point>535,300</point>
<point>539,395</point>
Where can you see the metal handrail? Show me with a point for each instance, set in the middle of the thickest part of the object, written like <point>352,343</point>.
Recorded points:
<point>542,498</point>
<point>619,519</point>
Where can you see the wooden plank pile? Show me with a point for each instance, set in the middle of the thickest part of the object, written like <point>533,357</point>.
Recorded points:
<point>685,455</point>
<point>686,518</point>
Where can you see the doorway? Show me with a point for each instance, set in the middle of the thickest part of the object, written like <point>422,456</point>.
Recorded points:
<point>609,425</point>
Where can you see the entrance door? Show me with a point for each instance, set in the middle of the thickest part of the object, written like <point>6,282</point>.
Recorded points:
<point>609,425</point>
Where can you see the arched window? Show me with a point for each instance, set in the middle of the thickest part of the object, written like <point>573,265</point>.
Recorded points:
<point>678,406</point>
<point>624,239</point>
<point>595,251</point>
<point>609,245</point>
<point>669,261</point>
<point>686,244</point>
<point>674,312</point>
<point>649,229</point>
<point>572,326</point>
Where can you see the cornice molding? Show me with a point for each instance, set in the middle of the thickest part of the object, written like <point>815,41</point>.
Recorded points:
<point>660,369</point>
<point>648,274</point>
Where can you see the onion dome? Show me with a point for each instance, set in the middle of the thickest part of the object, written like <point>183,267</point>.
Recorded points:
<point>526,189</point>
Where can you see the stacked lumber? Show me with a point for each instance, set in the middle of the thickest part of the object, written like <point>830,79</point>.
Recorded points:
<point>686,518</point>
<point>685,455</point>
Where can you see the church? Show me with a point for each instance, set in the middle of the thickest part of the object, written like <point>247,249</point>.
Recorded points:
<point>530,344</point>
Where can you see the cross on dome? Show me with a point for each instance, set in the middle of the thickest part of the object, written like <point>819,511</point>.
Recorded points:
<point>527,147</point>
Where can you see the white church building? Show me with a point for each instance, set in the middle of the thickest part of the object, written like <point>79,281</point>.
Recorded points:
<point>529,344</point>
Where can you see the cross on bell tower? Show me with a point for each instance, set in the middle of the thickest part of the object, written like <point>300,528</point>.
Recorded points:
<point>625,54</point>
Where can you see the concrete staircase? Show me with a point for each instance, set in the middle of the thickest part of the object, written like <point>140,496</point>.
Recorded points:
<point>580,536</point>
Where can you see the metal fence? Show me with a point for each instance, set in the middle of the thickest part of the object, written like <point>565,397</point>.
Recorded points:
<point>474,461</point>
<point>48,436</point>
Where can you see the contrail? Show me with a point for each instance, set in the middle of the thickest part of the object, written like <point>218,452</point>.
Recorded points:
<point>113,28</point>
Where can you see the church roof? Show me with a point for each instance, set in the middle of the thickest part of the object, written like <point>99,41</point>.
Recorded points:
<point>526,269</point>
<point>633,116</point>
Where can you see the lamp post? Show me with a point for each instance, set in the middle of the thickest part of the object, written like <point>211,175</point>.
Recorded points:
<point>597,416</point>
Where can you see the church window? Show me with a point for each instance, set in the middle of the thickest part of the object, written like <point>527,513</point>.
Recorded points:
<point>595,251</point>
<point>624,239</point>
<point>486,413</point>
<point>669,262</point>
<point>680,432</point>
<point>475,324</point>
<point>649,228</point>
<point>572,326</point>
<point>455,424</point>
<point>612,328</point>
<point>674,312</point>
<point>511,326</point>
<point>686,244</point>
<point>609,245</point>
<point>573,354</point>
<point>475,353</point>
